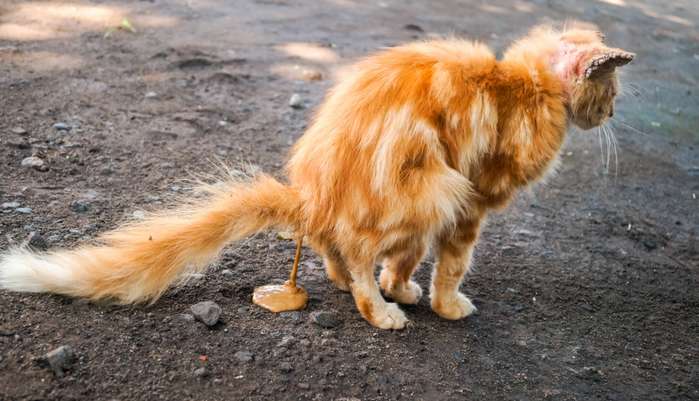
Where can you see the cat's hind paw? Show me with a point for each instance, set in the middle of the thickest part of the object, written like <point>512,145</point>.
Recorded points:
<point>404,293</point>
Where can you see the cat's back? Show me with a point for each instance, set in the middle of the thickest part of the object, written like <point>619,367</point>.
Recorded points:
<point>384,112</point>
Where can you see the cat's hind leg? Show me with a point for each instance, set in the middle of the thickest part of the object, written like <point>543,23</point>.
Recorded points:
<point>454,252</point>
<point>369,301</point>
<point>397,270</point>
<point>336,269</point>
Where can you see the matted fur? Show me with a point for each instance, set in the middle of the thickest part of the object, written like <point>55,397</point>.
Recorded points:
<point>410,150</point>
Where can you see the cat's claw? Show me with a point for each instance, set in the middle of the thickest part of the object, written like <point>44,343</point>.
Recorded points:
<point>453,307</point>
<point>391,317</point>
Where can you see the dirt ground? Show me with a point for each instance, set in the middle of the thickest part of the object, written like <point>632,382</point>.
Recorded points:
<point>587,287</point>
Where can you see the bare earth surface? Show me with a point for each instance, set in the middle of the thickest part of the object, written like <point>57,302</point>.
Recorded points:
<point>587,287</point>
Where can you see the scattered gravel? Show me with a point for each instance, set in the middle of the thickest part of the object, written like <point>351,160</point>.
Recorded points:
<point>296,101</point>
<point>326,319</point>
<point>206,312</point>
<point>186,317</point>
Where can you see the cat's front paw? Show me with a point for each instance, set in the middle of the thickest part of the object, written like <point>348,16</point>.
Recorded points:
<point>453,307</point>
<point>404,293</point>
<point>389,317</point>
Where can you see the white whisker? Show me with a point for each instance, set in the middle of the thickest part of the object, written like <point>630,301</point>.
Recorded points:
<point>599,139</point>
<point>629,126</point>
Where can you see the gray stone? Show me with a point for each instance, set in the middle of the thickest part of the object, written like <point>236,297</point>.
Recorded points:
<point>326,319</point>
<point>286,341</point>
<point>201,372</point>
<point>19,131</point>
<point>296,101</point>
<point>206,312</point>
<point>23,210</point>
<point>285,367</point>
<point>227,273</point>
<point>37,242</point>
<point>244,356</point>
<point>294,316</point>
<point>138,215</point>
<point>80,206</point>
<point>150,95</point>
<point>33,162</point>
<point>60,359</point>
<point>61,126</point>
<point>10,205</point>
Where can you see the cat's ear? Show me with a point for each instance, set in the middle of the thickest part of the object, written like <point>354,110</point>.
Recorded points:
<point>606,62</point>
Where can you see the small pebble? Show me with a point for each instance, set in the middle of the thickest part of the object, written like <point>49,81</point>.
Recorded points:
<point>325,319</point>
<point>62,127</point>
<point>285,367</point>
<point>244,356</point>
<point>80,206</point>
<point>201,372</point>
<point>285,235</point>
<point>151,95</point>
<point>139,215</point>
<point>19,131</point>
<point>10,205</point>
<point>312,75</point>
<point>60,359</point>
<point>34,162</point>
<point>286,341</point>
<point>304,386</point>
<point>227,273</point>
<point>296,101</point>
<point>37,242</point>
<point>206,312</point>
<point>23,210</point>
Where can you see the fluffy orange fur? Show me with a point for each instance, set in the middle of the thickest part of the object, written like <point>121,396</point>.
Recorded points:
<point>410,151</point>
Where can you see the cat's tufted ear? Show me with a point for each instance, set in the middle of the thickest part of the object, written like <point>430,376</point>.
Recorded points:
<point>606,62</point>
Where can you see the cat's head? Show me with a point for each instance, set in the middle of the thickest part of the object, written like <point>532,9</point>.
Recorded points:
<point>589,69</point>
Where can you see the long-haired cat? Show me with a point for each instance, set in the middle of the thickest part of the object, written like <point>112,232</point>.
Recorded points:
<point>411,150</point>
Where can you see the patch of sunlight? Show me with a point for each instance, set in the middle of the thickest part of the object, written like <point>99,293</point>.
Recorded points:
<point>667,17</point>
<point>42,20</point>
<point>494,9</point>
<point>620,3</point>
<point>523,7</point>
<point>310,51</point>
<point>43,61</point>
<point>297,72</point>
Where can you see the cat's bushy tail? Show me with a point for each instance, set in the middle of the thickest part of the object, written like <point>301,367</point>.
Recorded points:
<point>140,260</point>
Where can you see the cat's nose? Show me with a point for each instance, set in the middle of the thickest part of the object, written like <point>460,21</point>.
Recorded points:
<point>611,113</point>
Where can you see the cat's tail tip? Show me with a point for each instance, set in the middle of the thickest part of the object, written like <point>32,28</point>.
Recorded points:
<point>22,270</point>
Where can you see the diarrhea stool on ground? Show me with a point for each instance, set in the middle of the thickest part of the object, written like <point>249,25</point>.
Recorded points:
<point>284,297</point>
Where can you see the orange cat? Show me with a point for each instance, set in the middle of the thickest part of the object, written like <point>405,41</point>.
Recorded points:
<point>411,150</point>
